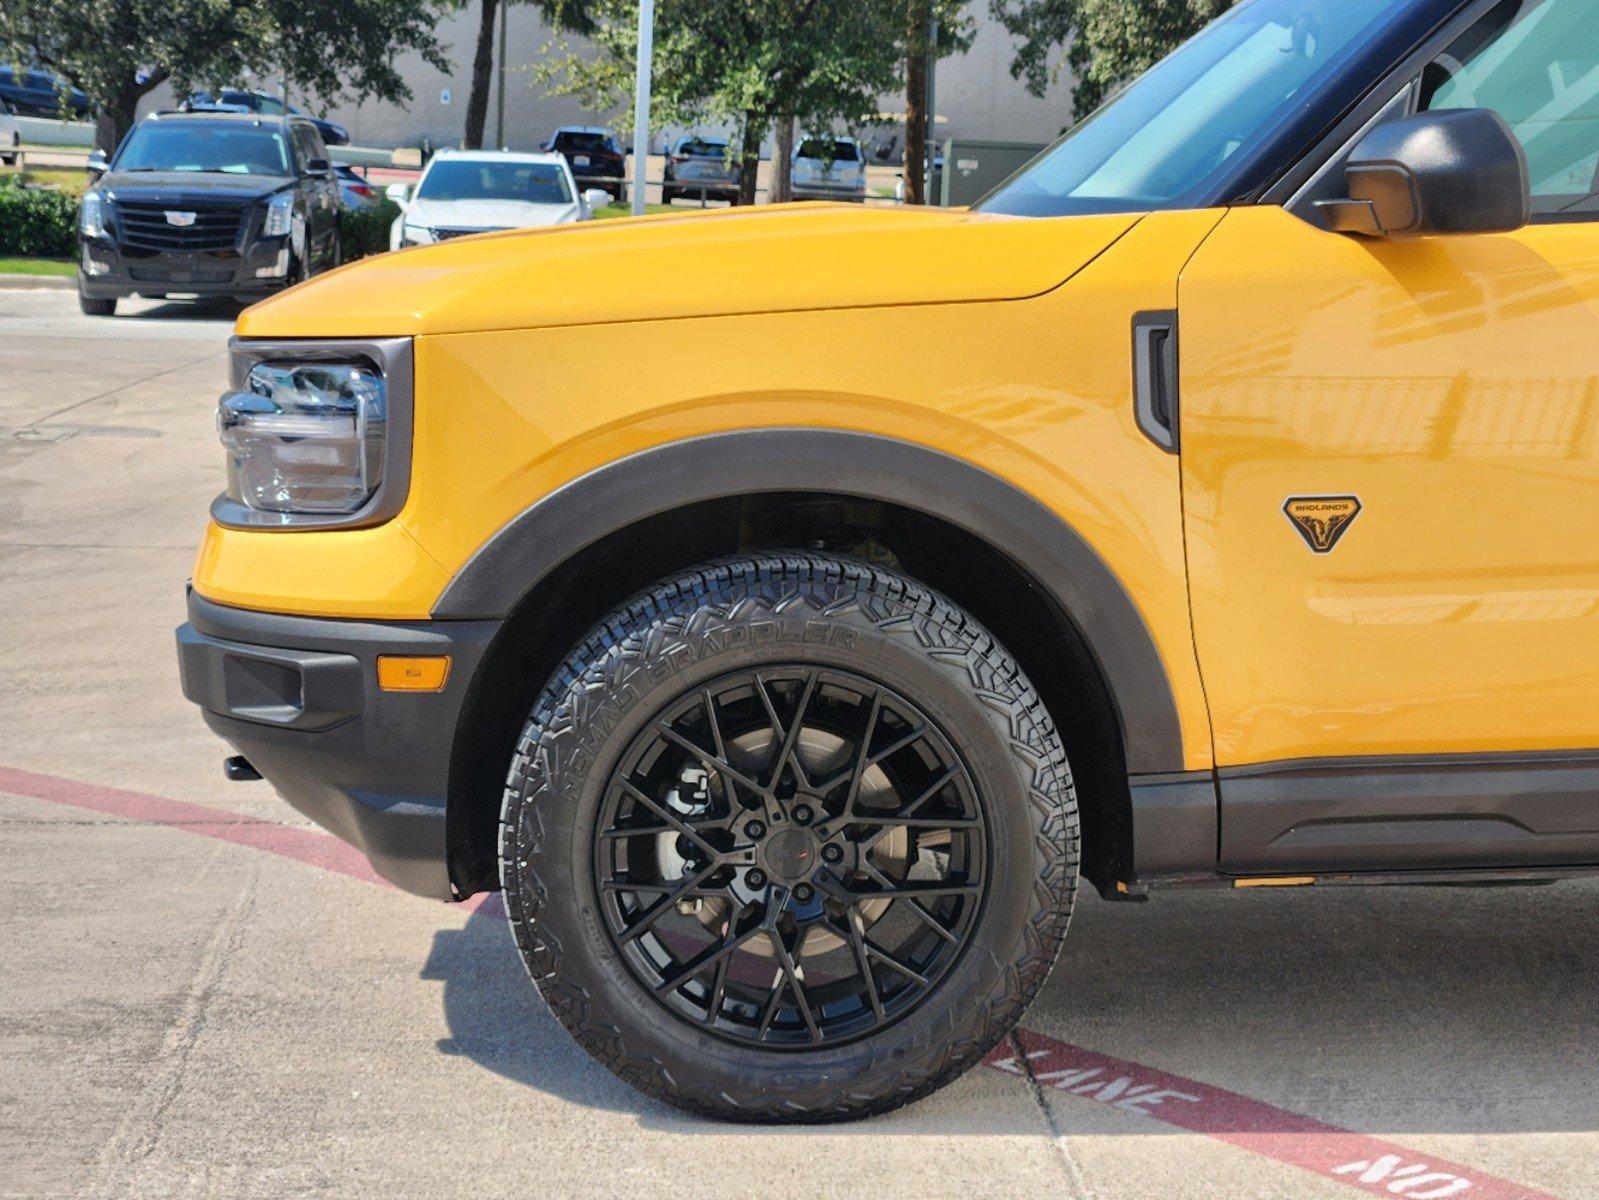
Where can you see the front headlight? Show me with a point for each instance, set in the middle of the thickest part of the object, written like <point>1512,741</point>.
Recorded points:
<point>91,218</point>
<point>305,437</point>
<point>415,235</point>
<point>280,216</point>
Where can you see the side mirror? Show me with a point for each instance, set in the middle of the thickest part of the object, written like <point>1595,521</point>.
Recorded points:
<point>97,164</point>
<point>399,193</point>
<point>1452,171</point>
<point>318,166</point>
<point>596,198</point>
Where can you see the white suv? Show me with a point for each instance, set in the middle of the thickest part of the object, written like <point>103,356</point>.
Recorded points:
<point>829,168</point>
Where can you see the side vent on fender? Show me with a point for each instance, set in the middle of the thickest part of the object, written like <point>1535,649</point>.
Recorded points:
<point>1155,376</point>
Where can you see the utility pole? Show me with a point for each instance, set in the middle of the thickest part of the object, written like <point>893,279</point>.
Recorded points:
<point>931,137</point>
<point>499,115</point>
<point>641,102</point>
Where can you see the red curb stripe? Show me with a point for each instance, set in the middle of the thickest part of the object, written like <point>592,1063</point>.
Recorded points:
<point>1366,1163</point>
<point>302,845</point>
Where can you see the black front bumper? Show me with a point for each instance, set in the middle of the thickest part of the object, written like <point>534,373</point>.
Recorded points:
<point>299,698</point>
<point>185,272</point>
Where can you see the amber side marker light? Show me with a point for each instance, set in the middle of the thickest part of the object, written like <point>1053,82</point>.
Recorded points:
<point>401,674</point>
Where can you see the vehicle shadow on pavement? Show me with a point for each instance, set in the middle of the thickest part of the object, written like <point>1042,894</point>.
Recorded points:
<point>497,1019</point>
<point>183,310</point>
<point>1427,1010</point>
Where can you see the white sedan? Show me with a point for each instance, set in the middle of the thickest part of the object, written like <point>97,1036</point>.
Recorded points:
<point>474,191</point>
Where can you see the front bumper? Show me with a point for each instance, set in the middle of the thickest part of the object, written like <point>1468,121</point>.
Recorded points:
<point>186,272</point>
<point>299,698</point>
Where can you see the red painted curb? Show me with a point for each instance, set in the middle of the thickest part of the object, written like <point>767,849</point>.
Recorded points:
<point>1366,1163</point>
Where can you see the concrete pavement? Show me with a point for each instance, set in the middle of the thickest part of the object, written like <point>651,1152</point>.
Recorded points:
<point>182,1015</point>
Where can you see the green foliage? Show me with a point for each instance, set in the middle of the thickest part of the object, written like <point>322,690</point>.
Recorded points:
<point>1106,42</point>
<point>365,230</point>
<point>736,60</point>
<point>119,50</point>
<point>36,221</point>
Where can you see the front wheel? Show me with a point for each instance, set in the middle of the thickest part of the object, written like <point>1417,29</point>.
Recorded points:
<point>90,307</point>
<point>789,838</point>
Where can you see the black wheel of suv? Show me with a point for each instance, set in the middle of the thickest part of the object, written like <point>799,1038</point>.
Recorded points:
<point>97,308</point>
<point>789,838</point>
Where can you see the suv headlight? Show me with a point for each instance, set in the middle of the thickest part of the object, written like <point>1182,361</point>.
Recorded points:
<point>279,216</point>
<point>415,235</point>
<point>305,438</point>
<point>91,218</point>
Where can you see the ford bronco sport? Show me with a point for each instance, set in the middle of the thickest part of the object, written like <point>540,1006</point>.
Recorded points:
<point>1211,505</point>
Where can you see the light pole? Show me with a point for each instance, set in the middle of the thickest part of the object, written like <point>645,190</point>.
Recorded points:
<point>641,102</point>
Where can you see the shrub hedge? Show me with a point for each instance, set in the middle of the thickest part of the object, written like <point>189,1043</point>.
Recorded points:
<point>365,231</point>
<point>36,222</point>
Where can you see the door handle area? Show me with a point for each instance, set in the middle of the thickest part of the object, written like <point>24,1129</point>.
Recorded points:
<point>1155,376</point>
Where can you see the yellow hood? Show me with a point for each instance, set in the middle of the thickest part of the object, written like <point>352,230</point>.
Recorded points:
<point>708,263</point>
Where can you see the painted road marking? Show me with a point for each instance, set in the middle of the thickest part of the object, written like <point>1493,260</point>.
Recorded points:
<point>1369,1164</point>
<point>1365,1163</point>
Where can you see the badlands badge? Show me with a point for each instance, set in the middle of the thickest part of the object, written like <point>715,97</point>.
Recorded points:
<point>1322,520</point>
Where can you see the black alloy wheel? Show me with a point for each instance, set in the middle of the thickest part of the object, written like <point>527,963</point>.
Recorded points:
<point>790,856</point>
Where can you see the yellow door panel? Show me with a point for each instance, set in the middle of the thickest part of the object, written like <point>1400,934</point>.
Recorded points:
<point>1451,387</point>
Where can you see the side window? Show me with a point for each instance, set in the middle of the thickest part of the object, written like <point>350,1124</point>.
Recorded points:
<point>1535,63</point>
<point>269,106</point>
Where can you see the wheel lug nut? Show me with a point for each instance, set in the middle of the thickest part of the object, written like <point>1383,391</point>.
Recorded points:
<point>804,892</point>
<point>755,829</point>
<point>832,854</point>
<point>803,814</point>
<point>756,878</point>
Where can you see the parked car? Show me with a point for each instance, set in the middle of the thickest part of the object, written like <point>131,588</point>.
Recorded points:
<point>354,190</point>
<point>699,168</point>
<point>32,92</point>
<point>475,191</point>
<point>829,168</point>
<point>787,695</point>
<point>594,155</point>
<point>10,138</point>
<point>265,104</point>
<point>207,204</point>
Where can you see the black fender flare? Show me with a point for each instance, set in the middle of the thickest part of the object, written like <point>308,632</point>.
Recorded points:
<point>872,467</point>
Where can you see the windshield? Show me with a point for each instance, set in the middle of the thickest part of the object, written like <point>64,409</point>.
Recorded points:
<point>530,183</point>
<point>826,150</point>
<point>1159,142</point>
<point>236,149</point>
<point>572,140</point>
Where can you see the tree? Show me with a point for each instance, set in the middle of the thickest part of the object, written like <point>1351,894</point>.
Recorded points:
<point>477,100</point>
<point>118,51</point>
<point>1107,42</point>
<point>932,30</point>
<point>745,62</point>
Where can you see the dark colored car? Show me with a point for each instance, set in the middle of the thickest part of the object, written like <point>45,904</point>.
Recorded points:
<point>31,92</point>
<point>354,189</point>
<point>208,204</point>
<point>700,168</point>
<point>265,105</point>
<point>594,155</point>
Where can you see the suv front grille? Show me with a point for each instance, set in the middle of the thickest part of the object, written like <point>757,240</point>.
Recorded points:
<point>145,227</point>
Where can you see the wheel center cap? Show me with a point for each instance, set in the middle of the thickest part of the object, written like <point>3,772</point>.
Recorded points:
<point>790,854</point>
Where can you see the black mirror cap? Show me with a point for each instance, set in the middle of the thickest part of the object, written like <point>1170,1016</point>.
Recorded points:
<point>1447,172</point>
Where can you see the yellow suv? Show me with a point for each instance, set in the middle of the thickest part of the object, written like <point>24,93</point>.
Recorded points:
<point>1214,504</point>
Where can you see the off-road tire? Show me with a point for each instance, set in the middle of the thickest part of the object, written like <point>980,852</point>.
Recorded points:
<point>787,608</point>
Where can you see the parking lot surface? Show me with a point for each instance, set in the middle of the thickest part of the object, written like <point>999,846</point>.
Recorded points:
<point>205,996</point>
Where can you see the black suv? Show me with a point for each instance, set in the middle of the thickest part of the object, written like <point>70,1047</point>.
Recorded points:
<point>208,204</point>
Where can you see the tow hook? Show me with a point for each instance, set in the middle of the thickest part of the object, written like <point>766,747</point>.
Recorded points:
<point>238,769</point>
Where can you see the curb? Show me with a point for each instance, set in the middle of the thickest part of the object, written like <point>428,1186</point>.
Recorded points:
<point>30,283</point>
